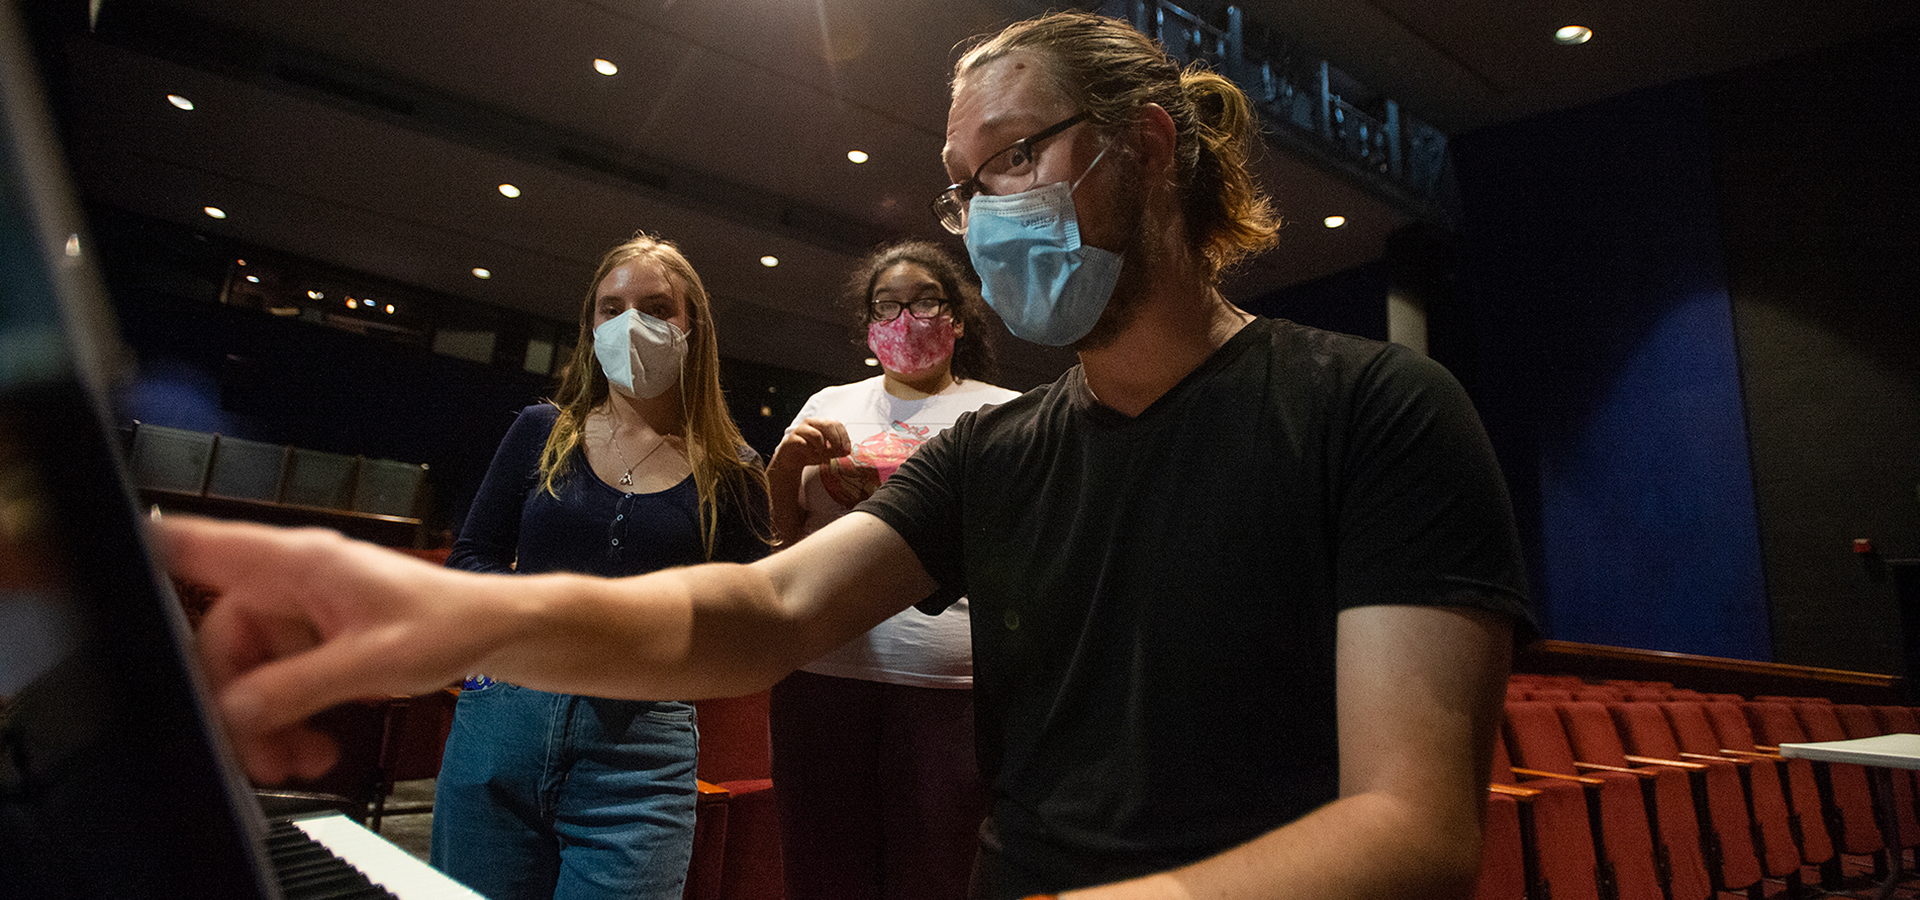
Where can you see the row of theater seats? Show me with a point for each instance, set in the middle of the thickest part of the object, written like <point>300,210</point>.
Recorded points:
<point>1641,791</point>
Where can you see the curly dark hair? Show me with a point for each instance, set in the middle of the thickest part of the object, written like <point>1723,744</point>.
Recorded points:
<point>973,355</point>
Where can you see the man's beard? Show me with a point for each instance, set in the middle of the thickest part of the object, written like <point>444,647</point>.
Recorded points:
<point>1140,257</point>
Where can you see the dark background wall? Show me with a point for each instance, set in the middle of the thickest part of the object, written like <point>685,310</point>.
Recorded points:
<point>1351,302</point>
<point>1819,184</point>
<point>1689,317</point>
<point>1696,333</point>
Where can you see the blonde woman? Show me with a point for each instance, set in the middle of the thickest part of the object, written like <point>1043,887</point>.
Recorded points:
<point>634,466</point>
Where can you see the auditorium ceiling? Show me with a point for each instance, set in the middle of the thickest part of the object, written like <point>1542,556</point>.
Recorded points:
<point>374,137</point>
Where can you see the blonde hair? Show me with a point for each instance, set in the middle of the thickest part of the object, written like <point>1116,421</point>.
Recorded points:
<point>1109,70</point>
<point>724,470</point>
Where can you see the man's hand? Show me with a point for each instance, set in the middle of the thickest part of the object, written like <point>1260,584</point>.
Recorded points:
<point>305,619</point>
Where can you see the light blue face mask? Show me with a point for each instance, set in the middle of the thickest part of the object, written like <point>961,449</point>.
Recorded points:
<point>1047,286</point>
<point>640,354</point>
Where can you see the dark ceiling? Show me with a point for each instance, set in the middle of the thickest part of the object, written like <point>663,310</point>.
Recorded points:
<point>373,136</point>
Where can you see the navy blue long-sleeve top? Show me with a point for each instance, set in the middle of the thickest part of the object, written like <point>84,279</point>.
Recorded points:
<point>591,527</point>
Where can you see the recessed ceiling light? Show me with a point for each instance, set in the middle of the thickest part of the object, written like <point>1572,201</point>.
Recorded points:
<point>1573,34</point>
<point>871,362</point>
<point>316,295</point>
<point>214,212</point>
<point>769,261</point>
<point>179,101</point>
<point>389,309</point>
<point>857,156</point>
<point>1334,221</point>
<point>253,279</point>
<point>481,273</point>
<point>508,190</point>
<point>605,67</point>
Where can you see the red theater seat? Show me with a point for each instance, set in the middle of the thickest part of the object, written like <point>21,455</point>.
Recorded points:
<point>1564,861</point>
<point>1504,847</point>
<point>1719,802</point>
<point>1759,781</point>
<point>1669,799</point>
<point>1539,746</point>
<point>1852,798</point>
<point>736,846</point>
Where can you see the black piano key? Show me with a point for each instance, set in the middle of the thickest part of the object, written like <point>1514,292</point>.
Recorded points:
<point>307,870</point>
<point>339,885</point>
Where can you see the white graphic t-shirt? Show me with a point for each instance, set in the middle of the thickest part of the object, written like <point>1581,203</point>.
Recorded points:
<point>912,648</point>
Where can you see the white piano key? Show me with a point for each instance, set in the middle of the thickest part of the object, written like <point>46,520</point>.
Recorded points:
<point>383,863</point>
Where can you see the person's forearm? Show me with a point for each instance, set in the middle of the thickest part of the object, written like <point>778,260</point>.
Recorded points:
<point>1361,847</point>
<point>783,496</point>
<point>703,631</point>
<point>306,619</point>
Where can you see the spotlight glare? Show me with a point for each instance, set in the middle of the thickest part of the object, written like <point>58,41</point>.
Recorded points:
<point>605,67</point>
<point>769,261</point>
<point>871,362</point>
<point>857,156</point>
<point>1571,35</point>
<point>509,191</point>
<point>215,212</point>
<point>1334,221</point>
<point>481,273</point>
<point>180,102</point>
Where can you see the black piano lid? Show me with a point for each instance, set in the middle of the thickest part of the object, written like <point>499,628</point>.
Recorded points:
<point>113,780</point>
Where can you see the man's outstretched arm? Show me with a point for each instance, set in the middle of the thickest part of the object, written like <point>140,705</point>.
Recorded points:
<point>306,619</point>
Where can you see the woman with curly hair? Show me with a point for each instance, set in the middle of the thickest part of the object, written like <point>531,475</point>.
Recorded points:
<point>892,710</point>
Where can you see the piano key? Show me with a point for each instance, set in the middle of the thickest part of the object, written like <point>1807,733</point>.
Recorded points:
<point>381,862</point>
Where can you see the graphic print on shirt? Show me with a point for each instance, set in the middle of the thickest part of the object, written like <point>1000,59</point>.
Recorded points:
<point>853,478</point>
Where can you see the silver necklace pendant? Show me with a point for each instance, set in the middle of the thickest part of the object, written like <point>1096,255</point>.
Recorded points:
<point>626,477</point>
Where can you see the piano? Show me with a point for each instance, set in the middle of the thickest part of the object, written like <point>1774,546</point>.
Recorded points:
<point>333,856</point>
<point>116,781</point>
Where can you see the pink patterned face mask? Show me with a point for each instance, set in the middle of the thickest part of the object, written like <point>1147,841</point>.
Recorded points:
<point>910,346</point>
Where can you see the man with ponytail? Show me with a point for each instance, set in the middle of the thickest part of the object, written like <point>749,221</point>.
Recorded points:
<point>1243,593</point>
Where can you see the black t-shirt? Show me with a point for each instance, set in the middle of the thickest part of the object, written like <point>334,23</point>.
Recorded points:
<point>1154,598</point>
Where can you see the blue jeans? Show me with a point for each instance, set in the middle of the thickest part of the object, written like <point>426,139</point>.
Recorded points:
<point>560,796</point>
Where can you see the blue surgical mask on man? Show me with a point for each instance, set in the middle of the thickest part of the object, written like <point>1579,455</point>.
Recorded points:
<point>1047,286</point>
<point>641,355</point>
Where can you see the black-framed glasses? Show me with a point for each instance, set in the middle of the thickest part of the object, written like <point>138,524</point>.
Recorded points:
<point>950,205</point>
<point>889,310</point>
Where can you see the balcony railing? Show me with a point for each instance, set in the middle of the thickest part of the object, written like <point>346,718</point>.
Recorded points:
<point>1308,104</point>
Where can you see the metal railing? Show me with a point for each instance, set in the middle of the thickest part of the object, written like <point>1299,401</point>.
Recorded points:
<point>1307,104</point>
